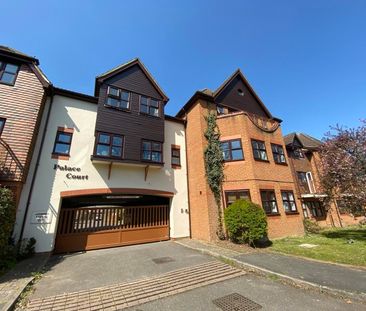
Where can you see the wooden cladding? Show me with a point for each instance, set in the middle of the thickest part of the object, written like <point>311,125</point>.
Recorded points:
<point>76,220</point>
<point>135,124</point>
<point>101,227</point>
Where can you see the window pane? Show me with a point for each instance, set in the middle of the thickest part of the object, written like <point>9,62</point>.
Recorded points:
<point>255,144</point>
<point>291,196</point>
<point>124,104</point>
<point>154,111</point>
<point>64,138</point>
<point>146,145</point>
<point>62,148</point>
<point>257,154</point>
<point>261,145</point>
<point>274,207</point>
<point>117,141</point>
<point>146,155</point>
<point>225,146</point>
<point>156,157</point>
<point>271,196</point>
<point>125,95</point>
<point>284,196</point>
<point>156,146</point>
<point>235,144</point>
<point>175,153</point>
<point>176,161</point>
<point>293,206</point>
<point>244,195</point>
<point>286,206</point>
<point>231,198</point>
<point>143,100</point>
<point>11,68</point>
<point>226,155</point>
<point>103,150</point>
<point>154,103</point>
<point>237,154</point>
<point>116,151</point>
<point>8,78</point>
<point>144,109</point>
<point>113,102</point>
<point>113,91</point>
<point>104,139</point>
<point>263,155</point>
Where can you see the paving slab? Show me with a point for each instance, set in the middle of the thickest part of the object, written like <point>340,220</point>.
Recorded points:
<point>86,270</point>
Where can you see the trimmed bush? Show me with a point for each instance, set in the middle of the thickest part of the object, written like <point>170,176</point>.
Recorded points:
<point>245,222</point>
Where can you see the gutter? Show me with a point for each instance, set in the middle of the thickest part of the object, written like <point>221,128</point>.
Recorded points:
<point>37,166</point>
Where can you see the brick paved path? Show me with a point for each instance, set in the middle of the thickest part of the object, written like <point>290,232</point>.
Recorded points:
<point>124,295</point>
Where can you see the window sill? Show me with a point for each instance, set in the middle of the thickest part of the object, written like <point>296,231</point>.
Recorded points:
<point>58,156</point>
<point>292,213</point>
<point>228,161</point>
<point>260,160</point>
<point>6,83</point>
<point>273,214</point>
<point>175,166</point>
<point>117,108</point>
<point>149,115</point>
<point>152,162</point>
<point>279,163</point>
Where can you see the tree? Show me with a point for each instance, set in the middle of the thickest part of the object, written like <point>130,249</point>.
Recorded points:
<point>214,166</point>
<point>343,167</point>
<point>7,217</point>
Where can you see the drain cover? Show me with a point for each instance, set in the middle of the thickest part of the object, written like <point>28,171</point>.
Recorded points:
<point>162,260</point>
<point>236,302</point>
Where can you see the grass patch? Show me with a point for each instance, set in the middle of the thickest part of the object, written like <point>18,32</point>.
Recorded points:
<point>333,246</point>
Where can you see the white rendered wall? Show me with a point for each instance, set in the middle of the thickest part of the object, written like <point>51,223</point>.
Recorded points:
<point>81,116</point>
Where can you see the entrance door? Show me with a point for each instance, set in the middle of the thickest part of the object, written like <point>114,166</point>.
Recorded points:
<point>86,228</point>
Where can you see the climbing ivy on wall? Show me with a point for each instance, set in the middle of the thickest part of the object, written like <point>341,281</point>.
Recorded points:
<point>214,165</point>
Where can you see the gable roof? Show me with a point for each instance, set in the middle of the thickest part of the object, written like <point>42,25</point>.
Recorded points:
<point>307,141</point>
<point>213,95</point>
<point>8,51</point>
<point>120,68</point>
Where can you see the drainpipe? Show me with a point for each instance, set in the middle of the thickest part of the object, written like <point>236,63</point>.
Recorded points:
<point>36,168</point>
<point>189,200</point>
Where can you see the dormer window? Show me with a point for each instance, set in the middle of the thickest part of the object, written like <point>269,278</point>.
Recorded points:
<point>220,110</point>
<point>8,73</point>
<point>118,98</point>
<point>149,106</point>
<point>299,154</point>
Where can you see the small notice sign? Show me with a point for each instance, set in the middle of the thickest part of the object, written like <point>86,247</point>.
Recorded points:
<point>41,218</point>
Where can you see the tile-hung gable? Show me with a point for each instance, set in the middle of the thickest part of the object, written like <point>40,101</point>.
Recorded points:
<point>130,105</point>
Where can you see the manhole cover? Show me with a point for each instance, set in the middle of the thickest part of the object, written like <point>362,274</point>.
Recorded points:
<point>236,302</point>
<point>162,260</point>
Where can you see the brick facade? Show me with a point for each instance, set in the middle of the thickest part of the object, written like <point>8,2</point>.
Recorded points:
<point>247,174</point>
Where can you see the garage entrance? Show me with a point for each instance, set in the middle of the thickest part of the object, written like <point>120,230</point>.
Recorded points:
<point>102,221</point>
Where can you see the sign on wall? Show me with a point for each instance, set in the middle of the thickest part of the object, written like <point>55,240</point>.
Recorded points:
<point>41,218</point>
<point>72,172</point>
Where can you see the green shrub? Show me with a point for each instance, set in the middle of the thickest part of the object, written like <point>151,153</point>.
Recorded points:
<point>245,222</point>
<point>311,226</point>
<point>7,218</point>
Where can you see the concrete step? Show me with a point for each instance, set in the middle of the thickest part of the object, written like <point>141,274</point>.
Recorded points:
<point>124,295</point>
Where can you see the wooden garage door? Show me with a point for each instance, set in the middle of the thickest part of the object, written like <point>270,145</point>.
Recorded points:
<point>101,227</point>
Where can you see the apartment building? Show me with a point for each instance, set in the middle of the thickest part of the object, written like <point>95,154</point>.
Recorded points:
<point>111,169</point>
<point>303,154</point>
<point>256,164</point>
<point>23,93</point>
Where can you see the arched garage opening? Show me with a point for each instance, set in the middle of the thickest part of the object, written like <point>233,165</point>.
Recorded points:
<point>102,218</point>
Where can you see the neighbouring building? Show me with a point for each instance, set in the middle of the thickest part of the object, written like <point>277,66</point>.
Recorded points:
<point>256,165</point>
<point>22,99</point>
<point>303,153</point>
<point>112,167</point>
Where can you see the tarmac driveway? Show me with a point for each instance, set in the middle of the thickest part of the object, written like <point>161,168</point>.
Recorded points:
<point>87,270</point>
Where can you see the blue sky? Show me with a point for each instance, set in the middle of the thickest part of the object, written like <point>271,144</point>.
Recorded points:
<point>305,59</point>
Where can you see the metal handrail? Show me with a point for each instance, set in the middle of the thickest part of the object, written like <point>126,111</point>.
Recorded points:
<point>6,163</point>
